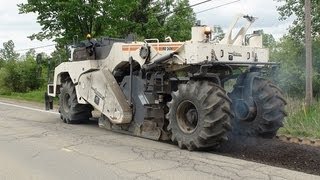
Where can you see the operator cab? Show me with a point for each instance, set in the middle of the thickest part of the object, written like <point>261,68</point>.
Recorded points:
<point>92,49</point>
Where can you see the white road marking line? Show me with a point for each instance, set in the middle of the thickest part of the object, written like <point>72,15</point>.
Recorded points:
<point>67,150</point>
<point>29,108</point>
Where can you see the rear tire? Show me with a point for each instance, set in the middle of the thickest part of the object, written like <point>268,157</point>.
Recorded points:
<point>71,112</point>
<point>269,110</point>
<point>199,115</point>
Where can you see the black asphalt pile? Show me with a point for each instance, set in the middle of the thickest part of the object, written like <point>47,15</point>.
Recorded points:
<point>274,152</point>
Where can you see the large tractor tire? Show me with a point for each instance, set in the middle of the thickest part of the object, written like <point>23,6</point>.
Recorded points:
<point>71,112</point>
<point>265,115</point>
<point>199,115</point>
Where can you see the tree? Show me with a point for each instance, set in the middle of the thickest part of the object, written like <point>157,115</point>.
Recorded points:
<point>290,53</point>
<point>296,8</point>
<point>1,63</point>
<point>268,40</point>
<point>31,54</point>
<point>178,25</point>
<point>8,53</point>
<point>62,20</point>
<point>218,32</point>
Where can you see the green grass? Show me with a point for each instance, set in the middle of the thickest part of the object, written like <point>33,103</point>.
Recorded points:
<point>302,122</point>
<point>34,96</point>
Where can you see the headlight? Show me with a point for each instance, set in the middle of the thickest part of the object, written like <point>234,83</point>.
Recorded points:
<point>207,30</point>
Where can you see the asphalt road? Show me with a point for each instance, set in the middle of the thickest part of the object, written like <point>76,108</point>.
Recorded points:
<point>35,144</point>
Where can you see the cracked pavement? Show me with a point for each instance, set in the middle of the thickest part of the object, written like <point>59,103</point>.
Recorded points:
<point>37,145</point>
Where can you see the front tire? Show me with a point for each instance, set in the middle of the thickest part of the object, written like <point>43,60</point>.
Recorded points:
<point>71,112</point>
<point>199,115</point>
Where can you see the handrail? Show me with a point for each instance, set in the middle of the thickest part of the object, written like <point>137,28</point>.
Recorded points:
<point>157,40</point>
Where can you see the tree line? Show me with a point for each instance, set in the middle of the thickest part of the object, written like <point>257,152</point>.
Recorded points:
<point>19,73</point>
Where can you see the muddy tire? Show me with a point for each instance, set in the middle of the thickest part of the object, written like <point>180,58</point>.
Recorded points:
<point>269,110</point>
<point>199,115</point>
<point>71,112</point>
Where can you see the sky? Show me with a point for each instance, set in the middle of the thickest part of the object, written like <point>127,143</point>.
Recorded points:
<point>264,10</point>
<point>17,27</point>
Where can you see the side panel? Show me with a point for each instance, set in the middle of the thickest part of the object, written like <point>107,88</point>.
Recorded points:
<point>121,52</point>
<point>199,52</point>
<point>118,56</point>
<point>101,90</point>
<point>74,70</point>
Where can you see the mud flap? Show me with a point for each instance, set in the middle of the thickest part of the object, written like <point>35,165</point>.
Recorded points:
<point>48,101</point>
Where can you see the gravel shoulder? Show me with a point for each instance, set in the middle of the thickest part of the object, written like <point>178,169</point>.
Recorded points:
<point>274,152</point>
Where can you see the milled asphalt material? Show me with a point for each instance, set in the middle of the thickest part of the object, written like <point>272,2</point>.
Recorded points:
<point>37,145</point>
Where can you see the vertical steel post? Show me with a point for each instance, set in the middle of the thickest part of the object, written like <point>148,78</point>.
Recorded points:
<point>131,79</point>
<point>309,70</point>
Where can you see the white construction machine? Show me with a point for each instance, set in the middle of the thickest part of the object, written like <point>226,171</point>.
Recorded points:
<point>173,90</point>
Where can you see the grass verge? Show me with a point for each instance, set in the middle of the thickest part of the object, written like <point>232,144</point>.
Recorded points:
<point>302,122</point>
<point>33,96</point>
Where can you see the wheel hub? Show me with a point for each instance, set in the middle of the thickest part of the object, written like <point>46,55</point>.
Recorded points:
<point>192,116</point>
<point>245,111</point>
<point>187,117</point>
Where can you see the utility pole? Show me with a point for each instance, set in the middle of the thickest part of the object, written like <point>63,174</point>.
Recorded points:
<point>309,94</point>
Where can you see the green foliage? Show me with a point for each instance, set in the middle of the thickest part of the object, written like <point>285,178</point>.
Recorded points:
<point>8,53</point>
<point>62,20</point>
<point>1,63</point>
<point>18,75</point>
<point>178,25</point>
<point>219,33</point>
<point>302,122</point>
<point>290,53</point>
<point>296,8</point>
<point>31,54</point>
<point>3,86</point>
<point>268,40</point>
<point>291,50</point>
<point>12,77</point>
<point>35,95</point>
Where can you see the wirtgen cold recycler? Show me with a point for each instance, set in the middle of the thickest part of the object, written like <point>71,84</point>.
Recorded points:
<point>173,90</point>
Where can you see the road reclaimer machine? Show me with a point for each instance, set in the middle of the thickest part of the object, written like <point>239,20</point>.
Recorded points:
<point>174,90</point>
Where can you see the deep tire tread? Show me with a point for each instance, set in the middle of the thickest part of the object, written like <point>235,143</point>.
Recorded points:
<point>271,102</point>
<point>78,112</point>
<point>216,108</point>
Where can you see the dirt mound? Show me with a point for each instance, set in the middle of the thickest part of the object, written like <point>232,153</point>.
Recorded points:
<point>274,152</point>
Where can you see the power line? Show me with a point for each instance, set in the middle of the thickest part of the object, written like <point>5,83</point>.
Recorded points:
<point>190,6</point>
<point>217,6</point>
<point>38,47</point>
<point>197,4</point>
